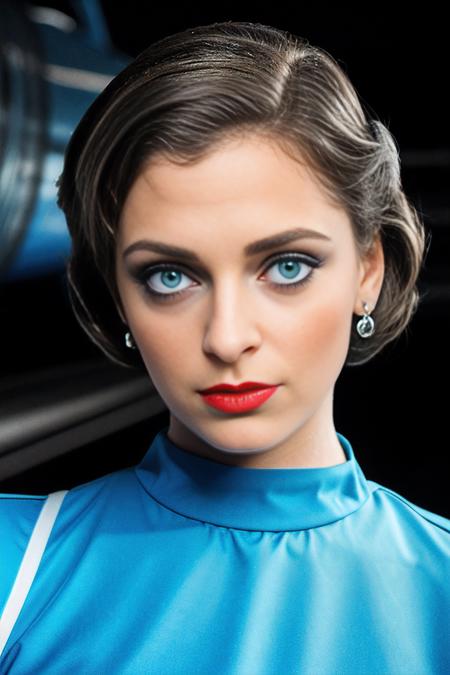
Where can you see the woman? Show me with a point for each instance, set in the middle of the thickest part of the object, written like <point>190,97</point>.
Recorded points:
<point>236,220</point>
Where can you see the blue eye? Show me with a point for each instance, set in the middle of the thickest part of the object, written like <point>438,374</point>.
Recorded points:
<point>288,266</point>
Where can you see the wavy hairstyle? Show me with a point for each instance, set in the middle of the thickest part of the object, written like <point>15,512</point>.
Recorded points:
<point>184,95</point>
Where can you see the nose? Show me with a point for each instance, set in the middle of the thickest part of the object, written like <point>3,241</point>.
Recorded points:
<point>230,327</point>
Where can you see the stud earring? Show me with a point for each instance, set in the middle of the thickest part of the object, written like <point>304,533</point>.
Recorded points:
<point>129,341</point>
<point>366,325</point>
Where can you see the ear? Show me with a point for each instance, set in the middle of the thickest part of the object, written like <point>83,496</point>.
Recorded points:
<point>371,276</point>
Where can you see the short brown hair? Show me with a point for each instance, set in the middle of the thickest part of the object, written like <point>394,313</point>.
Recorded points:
<point>180,98</point>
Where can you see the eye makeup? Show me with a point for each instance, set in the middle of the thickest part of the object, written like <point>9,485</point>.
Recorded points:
<point>142,274</point>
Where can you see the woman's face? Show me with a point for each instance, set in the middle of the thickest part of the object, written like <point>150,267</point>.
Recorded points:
<point>229,316</point>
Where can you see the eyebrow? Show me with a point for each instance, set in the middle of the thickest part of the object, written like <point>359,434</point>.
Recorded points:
<point>251,249</point>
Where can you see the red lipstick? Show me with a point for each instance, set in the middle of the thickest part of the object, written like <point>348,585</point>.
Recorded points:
<point>238,398</point>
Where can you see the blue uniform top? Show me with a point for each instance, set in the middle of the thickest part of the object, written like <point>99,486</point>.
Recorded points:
<point>182,565</point>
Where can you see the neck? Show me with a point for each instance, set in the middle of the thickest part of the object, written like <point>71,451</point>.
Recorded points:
<point>312,443</point>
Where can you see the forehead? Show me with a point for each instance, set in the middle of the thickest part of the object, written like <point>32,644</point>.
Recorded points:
<point>245,182</point>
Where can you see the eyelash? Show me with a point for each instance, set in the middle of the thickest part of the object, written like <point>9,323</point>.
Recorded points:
<point>145,273</point>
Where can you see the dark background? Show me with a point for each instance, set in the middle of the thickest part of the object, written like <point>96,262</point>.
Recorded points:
<point>394,409</point>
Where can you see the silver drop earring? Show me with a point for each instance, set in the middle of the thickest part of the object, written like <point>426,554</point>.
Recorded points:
<point>366,325</point>
<point>129,341</point>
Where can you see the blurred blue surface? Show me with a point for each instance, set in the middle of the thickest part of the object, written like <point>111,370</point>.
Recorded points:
<point>68,64</point>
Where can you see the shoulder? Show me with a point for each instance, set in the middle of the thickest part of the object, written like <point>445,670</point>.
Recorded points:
<point>429,531</point>
<point>18,514</point>
<point>408,507</point>
<point>79,509</point>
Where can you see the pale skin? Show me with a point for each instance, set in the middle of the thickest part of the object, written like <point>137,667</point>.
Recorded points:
<point>230,324</point>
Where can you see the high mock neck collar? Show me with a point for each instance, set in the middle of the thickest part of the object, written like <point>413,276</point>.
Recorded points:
<point>249,498</point>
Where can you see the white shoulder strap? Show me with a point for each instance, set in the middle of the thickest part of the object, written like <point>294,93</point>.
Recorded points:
<point>30,563</point>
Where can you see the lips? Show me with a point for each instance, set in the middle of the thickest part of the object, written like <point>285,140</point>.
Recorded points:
<point>225,388</point>
<point>239,401</point>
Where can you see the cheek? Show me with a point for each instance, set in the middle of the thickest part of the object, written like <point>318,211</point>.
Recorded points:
<point>164,350</point>
<point>319,338</point>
